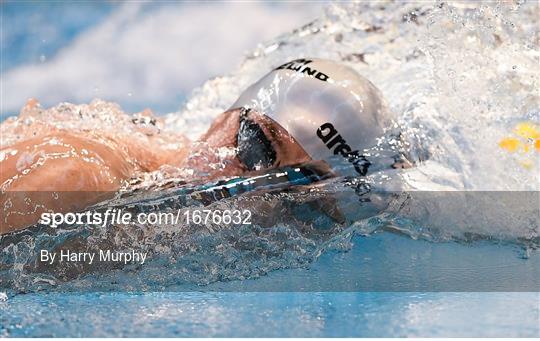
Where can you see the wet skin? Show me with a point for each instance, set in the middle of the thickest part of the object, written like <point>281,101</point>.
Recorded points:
<point>85,167</point>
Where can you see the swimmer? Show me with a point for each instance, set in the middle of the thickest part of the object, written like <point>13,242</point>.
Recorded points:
<point>304,110</point>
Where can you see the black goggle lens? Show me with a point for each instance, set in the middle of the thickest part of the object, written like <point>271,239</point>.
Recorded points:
<point>254,148</point>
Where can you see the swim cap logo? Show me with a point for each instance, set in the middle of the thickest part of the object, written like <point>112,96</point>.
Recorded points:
<point>333,140</point>
<point>299,65</point>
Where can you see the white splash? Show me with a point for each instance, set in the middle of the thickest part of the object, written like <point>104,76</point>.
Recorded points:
<point>459,76</point>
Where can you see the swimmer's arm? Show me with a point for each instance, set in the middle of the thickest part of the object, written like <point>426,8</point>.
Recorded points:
<point>60,173</point>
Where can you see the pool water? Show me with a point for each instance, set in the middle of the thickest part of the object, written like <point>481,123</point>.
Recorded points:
<point>462,79</point>
<point>277,314</point>
<point>379,295</point>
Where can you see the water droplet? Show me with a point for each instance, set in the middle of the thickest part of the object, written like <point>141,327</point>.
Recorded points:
<point>42,58</point>
<point>129,94</point>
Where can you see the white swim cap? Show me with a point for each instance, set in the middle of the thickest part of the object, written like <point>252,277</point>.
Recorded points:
<point>328,108</point>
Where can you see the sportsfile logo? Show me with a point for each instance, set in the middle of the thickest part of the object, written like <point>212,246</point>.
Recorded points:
<point>333,140</point>
<point>300,66</point>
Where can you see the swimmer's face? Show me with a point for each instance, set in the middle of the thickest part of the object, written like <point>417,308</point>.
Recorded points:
<point>260,142</point>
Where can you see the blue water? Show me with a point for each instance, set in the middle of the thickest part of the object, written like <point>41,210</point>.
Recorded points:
<point>34,32</point>
<point>263,307</point>
<point>326,314</point>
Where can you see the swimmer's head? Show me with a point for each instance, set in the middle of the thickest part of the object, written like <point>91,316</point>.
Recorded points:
<point>331,111</point>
